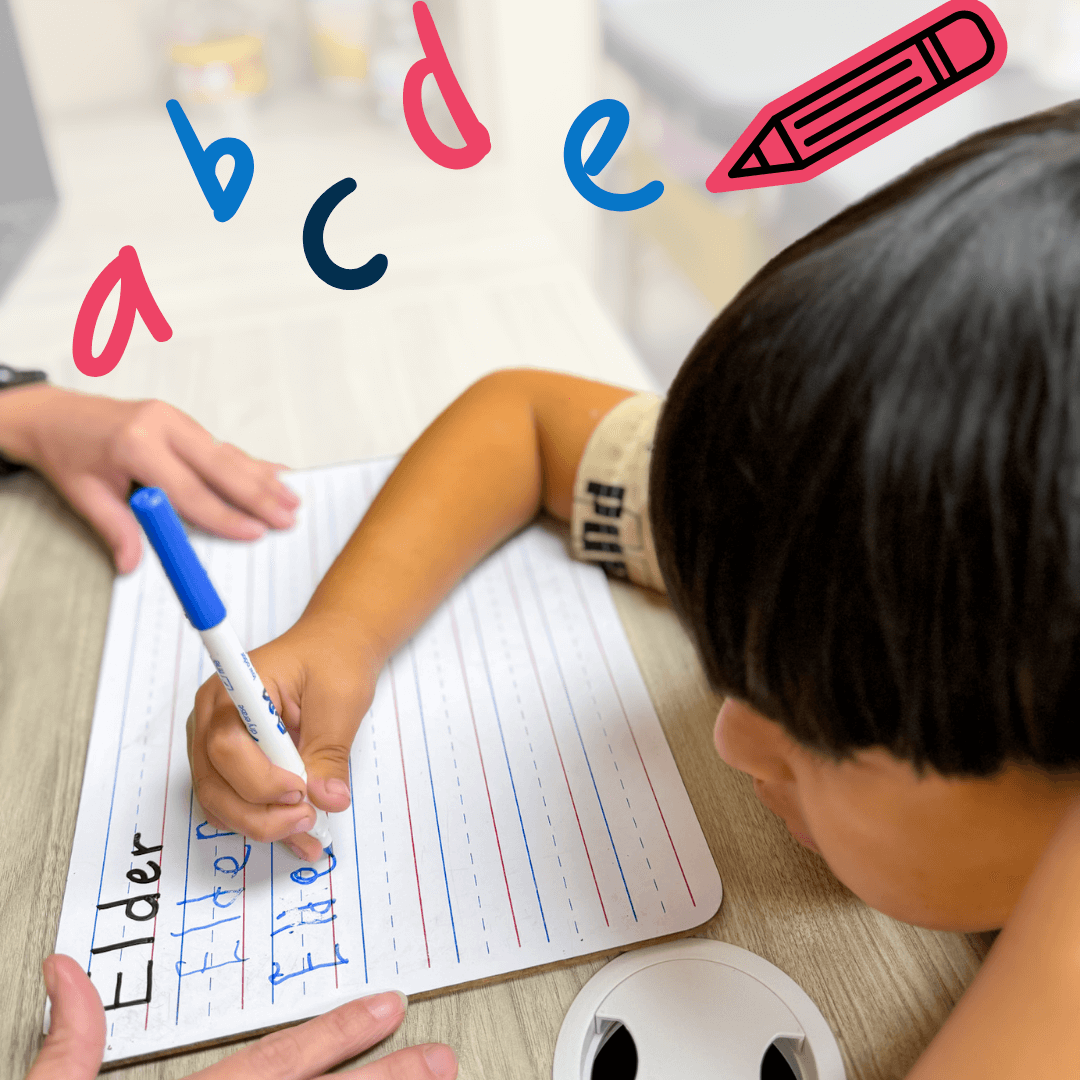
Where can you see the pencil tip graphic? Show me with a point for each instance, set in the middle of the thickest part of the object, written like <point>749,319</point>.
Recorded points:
<point>767,153</point>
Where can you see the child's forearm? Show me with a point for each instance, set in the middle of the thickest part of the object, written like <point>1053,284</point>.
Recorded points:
<point>1018,1017</point>
<point>508,447</point>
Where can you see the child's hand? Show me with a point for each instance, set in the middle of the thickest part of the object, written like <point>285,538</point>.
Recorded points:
<point>321,675</point>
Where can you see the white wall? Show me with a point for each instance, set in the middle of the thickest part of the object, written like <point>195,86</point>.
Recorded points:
<point>530,69</point>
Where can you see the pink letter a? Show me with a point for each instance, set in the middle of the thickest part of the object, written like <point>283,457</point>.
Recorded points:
<point>135,297</point>
<point>477,140</point>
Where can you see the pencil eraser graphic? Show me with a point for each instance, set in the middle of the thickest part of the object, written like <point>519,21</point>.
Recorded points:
<point>870,95</point>
<point>962,44</point>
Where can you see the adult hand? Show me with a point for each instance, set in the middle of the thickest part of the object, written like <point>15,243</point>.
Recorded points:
<point>321,676</point>
<point>76,1040</point>
<point>92,448</point>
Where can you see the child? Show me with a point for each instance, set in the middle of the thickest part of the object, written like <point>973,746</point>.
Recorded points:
<point>864,495</point>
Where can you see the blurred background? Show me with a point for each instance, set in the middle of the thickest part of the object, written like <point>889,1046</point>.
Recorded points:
<point>313,74</point>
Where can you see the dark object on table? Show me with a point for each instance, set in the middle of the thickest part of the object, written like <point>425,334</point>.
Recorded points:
<point>28,196</point>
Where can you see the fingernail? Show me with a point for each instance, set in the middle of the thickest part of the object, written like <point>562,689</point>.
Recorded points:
<point>387,1005</point>
<point>291,798</point>
<point>294,849</point>
<point>440,1059</point>
<point>303,825</point>
<point>338,788</point>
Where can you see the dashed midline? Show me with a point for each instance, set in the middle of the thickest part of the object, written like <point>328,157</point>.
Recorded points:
<point>525,728</point>
<point>386,860</point>
<point>461,796</point>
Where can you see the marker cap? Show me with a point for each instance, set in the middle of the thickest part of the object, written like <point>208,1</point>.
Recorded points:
<point>161,525</point>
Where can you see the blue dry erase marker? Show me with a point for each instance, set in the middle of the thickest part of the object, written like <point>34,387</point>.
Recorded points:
<point>207,614</point>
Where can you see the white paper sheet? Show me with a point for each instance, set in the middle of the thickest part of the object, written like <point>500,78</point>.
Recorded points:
<point>514,802</point>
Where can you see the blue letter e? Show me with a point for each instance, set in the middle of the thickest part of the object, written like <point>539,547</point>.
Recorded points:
<point>223,201</point>
<point>618,120</point>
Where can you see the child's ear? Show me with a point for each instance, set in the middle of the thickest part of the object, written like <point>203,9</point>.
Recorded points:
<point>752,743</point>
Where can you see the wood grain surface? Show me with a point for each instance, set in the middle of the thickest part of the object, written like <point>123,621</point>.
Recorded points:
<point>884,987</point>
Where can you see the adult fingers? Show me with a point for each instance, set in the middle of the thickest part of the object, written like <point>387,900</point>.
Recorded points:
<point>108,515</point>
<point>432,1061</point>
<point>246,482</point>
<point>76,1040</point>
<point>158,444</point>
<point>193,499</point>
<point>303,1052</point>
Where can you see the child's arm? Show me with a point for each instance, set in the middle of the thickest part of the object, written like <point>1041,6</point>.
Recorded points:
<point>1018,1018</point>
<point>508,447</point>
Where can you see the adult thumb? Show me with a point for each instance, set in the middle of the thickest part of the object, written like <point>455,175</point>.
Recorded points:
<point>328,723</point>
<point>76,1040</point>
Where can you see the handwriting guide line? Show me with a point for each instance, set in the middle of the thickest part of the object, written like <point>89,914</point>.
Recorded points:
<point>573,714</point>
<point>630,728</point>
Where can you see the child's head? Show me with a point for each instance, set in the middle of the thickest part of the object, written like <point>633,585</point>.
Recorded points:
<point>866,501</point>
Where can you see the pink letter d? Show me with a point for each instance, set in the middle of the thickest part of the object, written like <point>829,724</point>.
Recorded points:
<point>477,140</point>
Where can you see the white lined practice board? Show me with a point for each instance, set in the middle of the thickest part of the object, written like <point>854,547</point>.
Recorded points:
<point>514,801</point>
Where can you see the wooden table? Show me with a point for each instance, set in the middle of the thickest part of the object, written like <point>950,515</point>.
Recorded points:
<point>268,357</point>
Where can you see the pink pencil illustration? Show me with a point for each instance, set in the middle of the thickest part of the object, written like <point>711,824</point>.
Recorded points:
<point>868,96</point>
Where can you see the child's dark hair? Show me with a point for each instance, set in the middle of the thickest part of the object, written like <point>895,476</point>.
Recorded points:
<point>865,487</point>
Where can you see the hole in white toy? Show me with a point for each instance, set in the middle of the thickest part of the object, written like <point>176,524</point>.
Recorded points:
<point>616,1055</point>
<point>779,1062</point>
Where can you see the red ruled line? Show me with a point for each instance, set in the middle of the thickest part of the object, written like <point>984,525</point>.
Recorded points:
<point>408,810</point>
<point>243,923</point>
<point>483,769</point>
<point>554,739</point>
<point>614,686</point>
<point>333,919</point>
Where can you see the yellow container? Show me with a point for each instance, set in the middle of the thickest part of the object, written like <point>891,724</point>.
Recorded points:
<point>340,39</point>
<point>335,58</point>
<point>219,70</point>
<point>716,242</point>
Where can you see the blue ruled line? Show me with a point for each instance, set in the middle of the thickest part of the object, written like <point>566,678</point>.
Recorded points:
<point>434,803</point>
<point>356,858</point>
<point>506,755</point>
<point>573,716</point>
<point>116,770</point>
